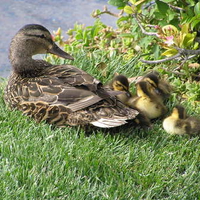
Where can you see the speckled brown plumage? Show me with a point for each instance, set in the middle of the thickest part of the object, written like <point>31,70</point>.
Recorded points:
<point>58,94</point>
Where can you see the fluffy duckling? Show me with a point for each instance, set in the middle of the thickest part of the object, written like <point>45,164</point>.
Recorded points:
<point>147,102</point>
<point>120,83</point>
<point>160,87</point>
<point>179,124</point>
<point>58,94</point>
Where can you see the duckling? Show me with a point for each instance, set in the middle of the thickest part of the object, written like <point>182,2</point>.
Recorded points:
<point>179,124</point>
<point>160,87</point>
<point>120,83</point>
<point>146,102</point>
<point>58,94</point>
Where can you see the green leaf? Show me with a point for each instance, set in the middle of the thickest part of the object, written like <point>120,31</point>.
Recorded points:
<point>167,1</point>
<point>162,7</point>
<point>127,35</point>
<point>194,23</point>
<point>175,22</point>
<point>132,1</point>
<point>171,15</point>
<point>156,51</point>
<point>196,45</point>
<point>79,36</point>
<point>185,28</point>
<point>128,10</point>
<point>197,8</point>
<point>189,39</point>
<point>170,52</point>
<point>118,3</point>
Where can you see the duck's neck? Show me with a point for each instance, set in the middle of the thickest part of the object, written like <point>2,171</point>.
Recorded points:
<point>21,52</point>
<point>24,65</point>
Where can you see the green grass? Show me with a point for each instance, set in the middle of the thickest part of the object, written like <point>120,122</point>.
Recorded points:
<point>38,161</point>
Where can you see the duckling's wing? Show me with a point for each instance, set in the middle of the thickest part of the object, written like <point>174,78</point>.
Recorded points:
<point>195,125</point>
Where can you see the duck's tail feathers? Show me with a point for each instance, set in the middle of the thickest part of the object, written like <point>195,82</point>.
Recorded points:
<point>109,123</point>
<point>115,118</point>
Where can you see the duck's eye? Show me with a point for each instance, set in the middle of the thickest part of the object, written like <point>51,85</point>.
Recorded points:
<point>42,36</point>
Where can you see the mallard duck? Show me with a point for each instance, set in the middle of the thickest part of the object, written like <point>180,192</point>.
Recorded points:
<point>120,83</point>
<point>58,94</point>
<point>146,102</point>
<point>179,124</point>
<point>160,87</point>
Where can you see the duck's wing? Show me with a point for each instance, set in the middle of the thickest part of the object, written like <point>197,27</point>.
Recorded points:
<point>53,91</point>
<point>73,76</point>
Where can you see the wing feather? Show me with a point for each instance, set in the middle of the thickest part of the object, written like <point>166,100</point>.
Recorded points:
<point>66,85</point>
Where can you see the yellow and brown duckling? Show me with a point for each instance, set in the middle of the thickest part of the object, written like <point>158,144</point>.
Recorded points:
<point>160,87</point>
<point>147,102</point>
<point>58,94</point>
<point>179,124</point>
<point>120,83</point>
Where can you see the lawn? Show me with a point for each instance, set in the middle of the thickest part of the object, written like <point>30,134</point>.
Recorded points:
<point>38,161</point>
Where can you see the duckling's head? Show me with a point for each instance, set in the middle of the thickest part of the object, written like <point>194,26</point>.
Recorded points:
<point>152,78</point>
<point>143,89</point>
<point>120,83</point>
<point>30,40</point>
<point>179,112</point>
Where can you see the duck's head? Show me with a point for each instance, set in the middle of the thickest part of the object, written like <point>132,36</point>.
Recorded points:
<point>33,39</point>
<point>178,112</point>
<point>120,83</point>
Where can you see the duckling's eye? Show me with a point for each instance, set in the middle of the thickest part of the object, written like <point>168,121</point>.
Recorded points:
<point>119,85</point>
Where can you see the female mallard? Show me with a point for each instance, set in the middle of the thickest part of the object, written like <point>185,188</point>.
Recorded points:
<point>59,94</point>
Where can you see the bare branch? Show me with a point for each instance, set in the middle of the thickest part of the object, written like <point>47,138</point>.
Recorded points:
<point>106,11</point>
<point>179,73</point>
<point>161,60</point>
<point>176,7</point>
<point>142,28</point>
<point>187,52</point>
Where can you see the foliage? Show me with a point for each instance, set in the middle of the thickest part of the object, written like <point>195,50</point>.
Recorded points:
<point>174,38</point>
<point>102,37</point>
<point>128,44</point>
<point>181,18</point>
<point>172,24</point>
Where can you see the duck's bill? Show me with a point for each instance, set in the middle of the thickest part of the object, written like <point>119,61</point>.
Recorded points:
<point>59,52</point>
